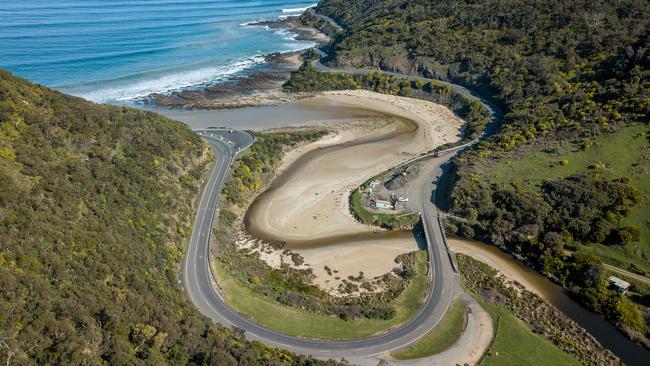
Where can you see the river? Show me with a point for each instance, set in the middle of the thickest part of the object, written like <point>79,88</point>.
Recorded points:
<point>628,351</point>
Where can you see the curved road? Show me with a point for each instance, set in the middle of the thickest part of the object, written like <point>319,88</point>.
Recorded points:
<point>325,18</point>
<point>198,281</point>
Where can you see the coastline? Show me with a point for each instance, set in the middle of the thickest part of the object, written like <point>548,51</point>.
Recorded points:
<point>262,85</point>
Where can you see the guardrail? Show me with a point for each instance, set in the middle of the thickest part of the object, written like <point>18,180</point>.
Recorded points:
<point>444,240</point>
<point>429,250</point>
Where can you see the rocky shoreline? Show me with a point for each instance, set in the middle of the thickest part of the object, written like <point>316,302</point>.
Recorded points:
<point>293,24</point>
<point>263,86</point>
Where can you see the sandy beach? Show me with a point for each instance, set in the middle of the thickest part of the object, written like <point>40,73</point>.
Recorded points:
<point>307,204</point>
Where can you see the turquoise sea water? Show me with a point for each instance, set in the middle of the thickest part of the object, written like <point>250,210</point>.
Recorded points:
<point>120,50</point>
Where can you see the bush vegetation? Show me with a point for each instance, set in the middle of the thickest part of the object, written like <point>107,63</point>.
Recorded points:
<point>255,167</point>
<point>625,153</point>
<point>515,343</point>
<point>310,20</point>
<point>576,209</point>
<point>503,298</point>
<point>96,205</point>
<point>308,79</point>
<point>294,321</point>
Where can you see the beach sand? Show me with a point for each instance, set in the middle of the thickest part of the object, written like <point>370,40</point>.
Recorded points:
<point>307,205</point>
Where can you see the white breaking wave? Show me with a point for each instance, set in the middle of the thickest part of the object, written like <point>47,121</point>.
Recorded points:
<point>296,45</point>
<point>299,47</point>
<point>298,10</point>
<point>168,83</point>
<point>286,34</point>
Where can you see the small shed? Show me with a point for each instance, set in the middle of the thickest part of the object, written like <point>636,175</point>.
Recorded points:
<point>620,285</point>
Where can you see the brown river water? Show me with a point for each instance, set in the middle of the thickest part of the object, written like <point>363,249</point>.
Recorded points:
<point>300,114</point>
<point>628,351</point>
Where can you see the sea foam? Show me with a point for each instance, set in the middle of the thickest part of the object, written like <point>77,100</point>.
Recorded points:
<point>298,10</point>
<point>142,86</point>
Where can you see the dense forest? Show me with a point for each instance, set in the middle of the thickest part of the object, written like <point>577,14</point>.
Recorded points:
<point>96,204</point>
<point>561,71</point>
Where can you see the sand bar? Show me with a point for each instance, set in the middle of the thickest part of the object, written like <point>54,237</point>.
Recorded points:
<point>307,204</point>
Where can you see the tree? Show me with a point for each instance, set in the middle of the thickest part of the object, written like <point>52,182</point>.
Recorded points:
<point>624,235</point>
<point>418,84</point>
<point>628,314</point>
<point>142,333</point>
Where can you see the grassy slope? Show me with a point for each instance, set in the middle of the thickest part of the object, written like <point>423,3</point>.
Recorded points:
<point>618,152</point>
<point>300,323</point>
<point>516,344</point>
<point>443,336</point>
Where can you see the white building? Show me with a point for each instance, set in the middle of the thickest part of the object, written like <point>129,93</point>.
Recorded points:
<point>621,285</point>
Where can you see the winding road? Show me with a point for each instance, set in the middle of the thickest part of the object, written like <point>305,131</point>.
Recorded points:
<point>197,277</point>
<point>325,18</point>
<point>199,282</point>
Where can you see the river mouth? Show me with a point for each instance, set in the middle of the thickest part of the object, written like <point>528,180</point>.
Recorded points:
<point>306,206</point>
<point>301,113</point>
<point>339,240</point>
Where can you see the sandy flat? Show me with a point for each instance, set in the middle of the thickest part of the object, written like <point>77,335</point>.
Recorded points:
<point>308,201</point>
<point>311,200</point>
<point>372,257</point>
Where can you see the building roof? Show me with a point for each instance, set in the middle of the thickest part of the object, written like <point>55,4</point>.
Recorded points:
<point>619,282</point>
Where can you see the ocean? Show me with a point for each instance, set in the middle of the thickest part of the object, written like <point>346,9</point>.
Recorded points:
<point>116,51</point>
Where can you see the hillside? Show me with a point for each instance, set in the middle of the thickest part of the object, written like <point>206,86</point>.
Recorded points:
<point>96,204</point>
<point>567,75</point>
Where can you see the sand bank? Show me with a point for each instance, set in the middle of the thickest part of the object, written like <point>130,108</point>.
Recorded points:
<point>307,204</point>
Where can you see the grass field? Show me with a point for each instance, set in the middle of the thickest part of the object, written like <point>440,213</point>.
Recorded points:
<point>625,153</point>
<point>515,344</point>
<point>443,336</point>
<point>304,324</point>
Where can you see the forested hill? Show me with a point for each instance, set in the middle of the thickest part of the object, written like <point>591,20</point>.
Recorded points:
<point>568,55</point>
<point>565,183</point>
<point>96,204</point>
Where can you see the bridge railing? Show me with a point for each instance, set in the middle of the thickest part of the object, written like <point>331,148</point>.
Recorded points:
<point>444,240</point>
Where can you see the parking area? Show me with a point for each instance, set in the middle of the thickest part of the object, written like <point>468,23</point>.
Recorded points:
<point>235,139</point>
